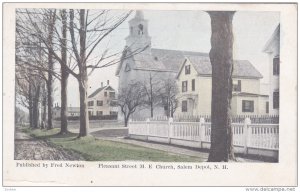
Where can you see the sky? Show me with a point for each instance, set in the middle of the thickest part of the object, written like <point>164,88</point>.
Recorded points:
<point>188,31</point>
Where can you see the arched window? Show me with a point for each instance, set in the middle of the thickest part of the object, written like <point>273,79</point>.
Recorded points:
<point>131,30</point>
<point>141,29</point>
<point>127,67</point>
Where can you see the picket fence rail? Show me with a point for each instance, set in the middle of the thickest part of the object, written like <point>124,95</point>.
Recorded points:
<point>248,138</point>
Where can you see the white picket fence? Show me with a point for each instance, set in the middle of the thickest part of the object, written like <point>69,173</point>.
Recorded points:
<point>258,139</point>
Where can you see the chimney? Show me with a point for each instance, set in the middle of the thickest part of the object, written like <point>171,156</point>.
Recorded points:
<point>107,82</point>
<point>101,84</point>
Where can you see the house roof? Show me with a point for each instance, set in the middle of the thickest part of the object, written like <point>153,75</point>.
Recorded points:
<point>274,36</point>
<point>241,68</point>
<point>107,87</point>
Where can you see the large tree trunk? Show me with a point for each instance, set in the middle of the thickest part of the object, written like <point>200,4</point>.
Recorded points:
<point>50,67</point>
<point>84,116</point>
<point>83,78</point>
<point>221,58</point>
<point>64,103</point>
<point>64,77</point>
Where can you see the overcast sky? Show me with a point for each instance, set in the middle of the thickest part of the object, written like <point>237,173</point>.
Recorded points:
<point>189,31</point>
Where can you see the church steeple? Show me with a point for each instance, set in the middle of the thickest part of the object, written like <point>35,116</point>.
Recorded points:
<point>138,37</point>
<point>139,14</point>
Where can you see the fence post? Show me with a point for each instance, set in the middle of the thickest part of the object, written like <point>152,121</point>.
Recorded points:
<point>170,129</point>
<point>147,128</point>
<point>201,131</point>
<point>246,133</point>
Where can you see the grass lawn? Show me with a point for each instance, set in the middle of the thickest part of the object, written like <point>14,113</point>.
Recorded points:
<point>93,149</point>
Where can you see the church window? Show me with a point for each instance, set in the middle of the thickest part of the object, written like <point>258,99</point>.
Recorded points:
<point>127,67</point>
<point>141,29</point>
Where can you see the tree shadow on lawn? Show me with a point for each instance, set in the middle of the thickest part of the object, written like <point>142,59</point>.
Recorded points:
<point>67,136</point>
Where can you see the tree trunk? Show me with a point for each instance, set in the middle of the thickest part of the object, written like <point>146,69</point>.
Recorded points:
<point>83,78</point>
<point>64,101</point>
<point>64,77</point>
<point>84,116</point>
<point>35,111</point>
<point>125,121</point>
<point>50,100</point>
<point>221,58</point>
<point>30,106</point>
<point>151,96</point>
<point>151,109</point>
<point>50,67</point>
<point>168,107</point>
<point>126,118</point>
<point>43,126</point>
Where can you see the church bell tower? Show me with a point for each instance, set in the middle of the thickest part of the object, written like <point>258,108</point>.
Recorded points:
<point>139,38</point>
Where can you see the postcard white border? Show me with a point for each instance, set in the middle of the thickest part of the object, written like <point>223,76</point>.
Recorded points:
<point>283,173</point>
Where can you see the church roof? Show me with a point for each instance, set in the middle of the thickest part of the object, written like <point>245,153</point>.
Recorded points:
<point>107,87</point>
<point>173,59</point>
<point>241,68</point>
<point>159,60</point>
<point>148,62</point>
<point>166,60</point>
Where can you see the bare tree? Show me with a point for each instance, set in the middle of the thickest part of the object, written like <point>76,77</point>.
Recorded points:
<point>89,39</point>
<point>88,30</point>
<point>221,58</point>
<point>28,78</point>
<point>33,63</point>
<point>129,98</point>
<point>169,96</point>
<point>151,87</point>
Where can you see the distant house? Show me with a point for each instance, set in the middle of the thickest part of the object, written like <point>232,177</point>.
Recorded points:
<point>195,82</point>
<point>102,102</point>
<point>272,48</point>
<point>72,111</point>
